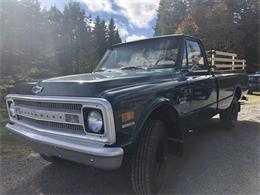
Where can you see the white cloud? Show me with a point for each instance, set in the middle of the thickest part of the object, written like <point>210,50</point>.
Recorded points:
<point>123,31</point>
<point>135,37</point>
<point>139,13</point>
<point>122,28</point>
<point>99,5</point>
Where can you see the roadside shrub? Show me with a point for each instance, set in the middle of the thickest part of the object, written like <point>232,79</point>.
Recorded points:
<point>5,84</point>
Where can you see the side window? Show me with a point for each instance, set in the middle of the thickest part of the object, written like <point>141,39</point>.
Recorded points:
<point>195,56</point>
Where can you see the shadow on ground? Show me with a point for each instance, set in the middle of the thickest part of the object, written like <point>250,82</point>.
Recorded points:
<point>215,161</point>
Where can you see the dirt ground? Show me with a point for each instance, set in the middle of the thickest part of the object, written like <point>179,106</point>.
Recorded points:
<point>215,161</point>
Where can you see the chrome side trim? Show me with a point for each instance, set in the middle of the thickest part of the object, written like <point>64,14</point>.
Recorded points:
<point>109,136</point>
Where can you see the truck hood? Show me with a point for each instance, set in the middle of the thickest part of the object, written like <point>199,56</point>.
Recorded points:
<point>94,84</point>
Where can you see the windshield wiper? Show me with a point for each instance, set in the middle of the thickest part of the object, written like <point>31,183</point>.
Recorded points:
<point>100,70</point>
<point>161,67</point>
<point>132,68</point>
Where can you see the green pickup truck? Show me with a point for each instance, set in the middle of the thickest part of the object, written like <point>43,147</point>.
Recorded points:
<point>134,108</point>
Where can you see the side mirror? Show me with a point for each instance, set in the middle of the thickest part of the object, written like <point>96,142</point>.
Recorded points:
<point>212,68</point>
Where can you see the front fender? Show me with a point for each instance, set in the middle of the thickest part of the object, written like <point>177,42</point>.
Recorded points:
<point>146,113</point>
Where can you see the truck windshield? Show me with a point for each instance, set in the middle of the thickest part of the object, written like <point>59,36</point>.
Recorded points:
<point>148,54</point>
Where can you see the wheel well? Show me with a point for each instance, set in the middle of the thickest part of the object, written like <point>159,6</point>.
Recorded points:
<point>169,116</point>
<point>238,93</point>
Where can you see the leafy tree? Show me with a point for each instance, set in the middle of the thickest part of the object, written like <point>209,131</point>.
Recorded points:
<point>246,18</point>
<point>170,15</point>
<point>221,24</point>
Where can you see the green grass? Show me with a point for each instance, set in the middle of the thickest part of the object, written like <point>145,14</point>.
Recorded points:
<point>9,147</point>
<point>6,140</point>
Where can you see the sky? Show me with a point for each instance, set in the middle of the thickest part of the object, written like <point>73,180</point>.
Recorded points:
<point>135,19</point>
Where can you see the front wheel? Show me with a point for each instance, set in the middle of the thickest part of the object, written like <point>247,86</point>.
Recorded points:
<point>229,116</point>
<point>149,161</point>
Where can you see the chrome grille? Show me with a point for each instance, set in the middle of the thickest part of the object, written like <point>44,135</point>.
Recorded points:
<point>49,105</point>
<point>34,114</point>
<point>61,127</point>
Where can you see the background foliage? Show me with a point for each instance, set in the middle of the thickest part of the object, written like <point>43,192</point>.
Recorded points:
<point>38,43</point>
<point>225,25</point>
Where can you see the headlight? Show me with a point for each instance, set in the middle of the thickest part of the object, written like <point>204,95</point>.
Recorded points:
<point>95,121</point>
<point>12,110</point>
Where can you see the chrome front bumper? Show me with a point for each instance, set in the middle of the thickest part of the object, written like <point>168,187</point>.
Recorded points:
<point>70,148</point>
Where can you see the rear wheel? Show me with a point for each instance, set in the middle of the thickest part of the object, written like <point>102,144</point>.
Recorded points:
<point>148,166</point>
<point>229,116</point>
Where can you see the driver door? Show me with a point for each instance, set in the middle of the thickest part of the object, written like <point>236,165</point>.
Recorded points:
<point>201,81</point>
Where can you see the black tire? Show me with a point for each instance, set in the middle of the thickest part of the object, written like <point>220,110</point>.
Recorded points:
<point>52,159</point>
<point>229,116</point>
<point>148,166</point>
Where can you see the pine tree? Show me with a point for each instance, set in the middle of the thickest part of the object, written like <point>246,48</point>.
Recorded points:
<point>75,28</point>
<point>100,32</point>
<point>56,38</point>
<point>113,35</point>
<point>117,37</point>
<point>37,43</point>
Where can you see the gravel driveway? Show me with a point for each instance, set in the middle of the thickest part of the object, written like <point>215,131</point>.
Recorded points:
<point>215,161</point>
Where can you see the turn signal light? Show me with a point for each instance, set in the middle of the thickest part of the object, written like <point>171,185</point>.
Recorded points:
<point>127,116</point>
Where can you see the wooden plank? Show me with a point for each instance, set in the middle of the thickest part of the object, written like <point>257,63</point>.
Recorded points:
<point>223,60</point>
<point>239,66</point>
<point>233,62</point>
<point>236,60</point>
<point>223,65</point>
<point>243,64</point>
<point>229,65</point>
<point>222,53</point>
<point>228,60</point>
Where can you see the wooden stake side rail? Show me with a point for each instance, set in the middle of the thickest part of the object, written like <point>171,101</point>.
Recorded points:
<point>226,61</point>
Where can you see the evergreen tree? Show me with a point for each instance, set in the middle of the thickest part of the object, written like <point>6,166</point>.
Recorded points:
<point>56,38</point>
<point>117,37</point>
<point>113,35</point>
<point>100,32</point>
<point>23,38</point>
<point>38,43</point>
<point>74,30</point>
